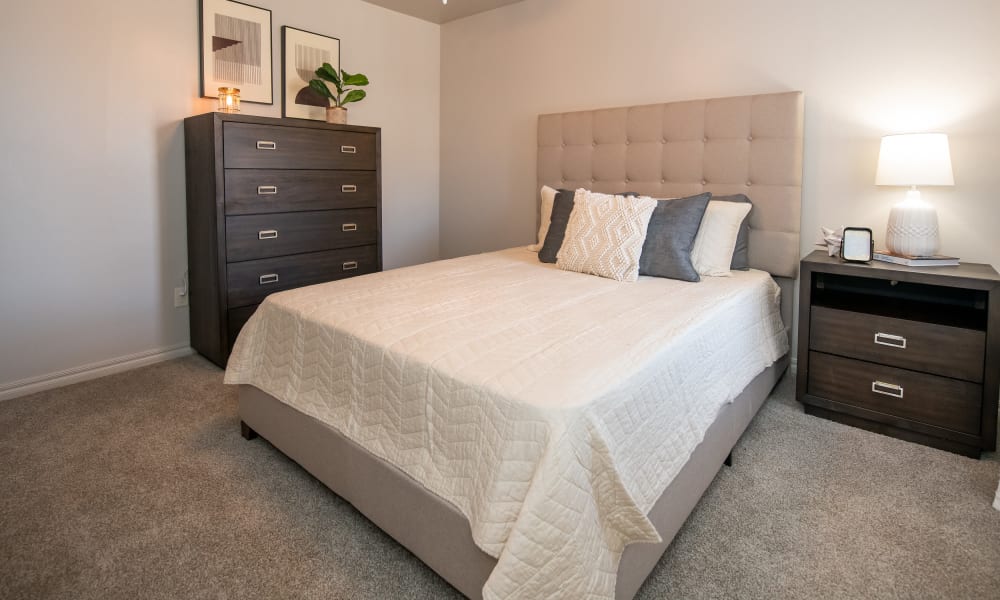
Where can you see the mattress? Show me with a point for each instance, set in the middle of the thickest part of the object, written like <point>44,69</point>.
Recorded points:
<point>550,408</point>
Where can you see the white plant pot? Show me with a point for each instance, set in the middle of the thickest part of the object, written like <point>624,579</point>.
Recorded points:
<point>336,115</point>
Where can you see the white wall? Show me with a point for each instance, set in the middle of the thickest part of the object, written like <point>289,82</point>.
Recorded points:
<point>92,235</point>
<point>92,228</point>
<point>867,69</point>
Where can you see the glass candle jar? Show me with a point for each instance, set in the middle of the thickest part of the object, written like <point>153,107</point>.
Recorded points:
<point>229,99</point>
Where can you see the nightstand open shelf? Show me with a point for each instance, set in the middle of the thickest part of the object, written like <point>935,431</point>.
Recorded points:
<point>909,352</point>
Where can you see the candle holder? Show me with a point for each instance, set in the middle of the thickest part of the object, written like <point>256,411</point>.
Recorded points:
<point>229,99</point>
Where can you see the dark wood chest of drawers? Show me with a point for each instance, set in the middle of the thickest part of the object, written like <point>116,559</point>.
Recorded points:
<point>274,204</point>
<point>909,352</point>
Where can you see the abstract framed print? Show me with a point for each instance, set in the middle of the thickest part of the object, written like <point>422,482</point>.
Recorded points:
<point>302,52</point>
<point>236,50</point>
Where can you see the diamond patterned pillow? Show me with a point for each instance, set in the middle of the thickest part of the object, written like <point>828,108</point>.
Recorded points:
<point>605,234</point>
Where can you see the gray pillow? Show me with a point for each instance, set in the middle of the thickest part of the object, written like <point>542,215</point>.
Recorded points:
<point>741,255</point>
<point>562,206</point>
<point>670,238</point>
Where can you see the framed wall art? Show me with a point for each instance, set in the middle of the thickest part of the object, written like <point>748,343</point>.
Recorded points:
<point>302,53</point>
<point>236,50</point>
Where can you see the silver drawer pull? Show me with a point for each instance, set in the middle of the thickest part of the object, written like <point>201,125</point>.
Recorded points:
<point>887,389</point>
<point>267,190</point>
<point>266,145</point>
<point>349,227</point>
<point>349,149</point>
<point>350,265</point>
<point>267,234</point>
<point>348,189</point>
<point>269,278</point>
<point>893,341</point>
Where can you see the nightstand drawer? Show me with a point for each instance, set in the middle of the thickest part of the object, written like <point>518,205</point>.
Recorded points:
<point>899,343</point>
<point>937,401</point>
<point>250,237</point>
<point>249,146</point>
<point>252,281</point>
<point>254,191</point>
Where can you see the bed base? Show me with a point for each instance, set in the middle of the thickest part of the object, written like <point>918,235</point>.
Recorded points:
<point>246,431</point>
<point>436,532</point>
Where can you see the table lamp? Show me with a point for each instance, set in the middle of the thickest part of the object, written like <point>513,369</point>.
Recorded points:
<point>914,159</point>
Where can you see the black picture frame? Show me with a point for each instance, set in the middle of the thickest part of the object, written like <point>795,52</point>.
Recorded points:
<point>289,36</point>
<point>241,14</point>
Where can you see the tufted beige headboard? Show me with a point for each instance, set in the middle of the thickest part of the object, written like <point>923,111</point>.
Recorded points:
<point>747,144</point>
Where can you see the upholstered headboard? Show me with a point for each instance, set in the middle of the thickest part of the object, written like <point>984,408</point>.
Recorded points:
<point>747,144</point>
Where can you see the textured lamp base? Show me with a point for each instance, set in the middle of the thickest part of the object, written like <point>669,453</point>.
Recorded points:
<point>913,228</point>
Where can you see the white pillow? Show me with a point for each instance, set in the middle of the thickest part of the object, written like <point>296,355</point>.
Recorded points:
<point>548,198</point>
<point>713,249</point>
<point>605,234</point>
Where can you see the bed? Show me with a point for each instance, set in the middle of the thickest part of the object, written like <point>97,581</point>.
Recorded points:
<point>527,431</point>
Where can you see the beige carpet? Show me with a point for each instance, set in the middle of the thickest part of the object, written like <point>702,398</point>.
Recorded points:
<point>140,486</point>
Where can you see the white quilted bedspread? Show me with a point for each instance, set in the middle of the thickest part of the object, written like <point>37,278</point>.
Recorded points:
<point>551,408</point>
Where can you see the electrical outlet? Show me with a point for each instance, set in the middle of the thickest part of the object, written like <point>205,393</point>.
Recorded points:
<point>180,298</point>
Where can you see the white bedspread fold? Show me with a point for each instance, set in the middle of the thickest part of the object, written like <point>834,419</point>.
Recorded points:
<point>551,408</point>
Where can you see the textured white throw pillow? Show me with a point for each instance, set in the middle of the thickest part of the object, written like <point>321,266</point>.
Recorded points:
<point>605,234</point>
<point>713,249</point>
<point>548,198</point>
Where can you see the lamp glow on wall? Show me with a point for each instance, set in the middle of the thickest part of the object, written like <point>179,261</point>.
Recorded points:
<point>914,159</point>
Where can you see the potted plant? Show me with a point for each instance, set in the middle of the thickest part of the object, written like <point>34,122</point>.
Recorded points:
<point>336,112</point>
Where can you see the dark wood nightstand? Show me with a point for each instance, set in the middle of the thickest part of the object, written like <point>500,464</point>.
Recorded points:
<point>909,352</point>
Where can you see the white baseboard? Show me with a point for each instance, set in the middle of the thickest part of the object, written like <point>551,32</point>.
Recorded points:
<point>40,383</point>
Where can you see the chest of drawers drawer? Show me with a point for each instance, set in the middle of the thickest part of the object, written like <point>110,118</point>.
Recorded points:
<point>238,317</point>
<point>251,146</point>
<point>899,343</point>
<point>253,191</point>
<point>253,280</point>
<point>250,237</point>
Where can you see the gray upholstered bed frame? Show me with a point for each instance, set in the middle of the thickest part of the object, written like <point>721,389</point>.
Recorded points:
<point>749,144</point>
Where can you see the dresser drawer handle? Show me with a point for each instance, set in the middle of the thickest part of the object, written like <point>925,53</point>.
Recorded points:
<point>349,149</point>
<point>267,190</point>
<point>887,389</point>
<point>349,227</point>
<point>269,278</point>
<point>266,145</point>
<point>267,234</point>
<point>893,341</point>
<point>350,265</point>
<point>348,189</point>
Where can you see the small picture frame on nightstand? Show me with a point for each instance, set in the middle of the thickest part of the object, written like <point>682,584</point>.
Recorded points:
<point>858,245</point>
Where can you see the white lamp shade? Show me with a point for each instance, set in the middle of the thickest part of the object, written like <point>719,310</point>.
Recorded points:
<point>914,159</point>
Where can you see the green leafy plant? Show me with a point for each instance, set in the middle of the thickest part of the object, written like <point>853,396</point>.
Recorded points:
<point>340,81</point>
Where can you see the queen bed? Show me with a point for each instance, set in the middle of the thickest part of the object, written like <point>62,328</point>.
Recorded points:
<point>528,431</point>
